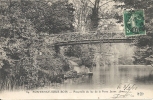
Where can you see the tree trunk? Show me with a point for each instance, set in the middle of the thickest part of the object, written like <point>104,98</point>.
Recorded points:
<point>94,16</point>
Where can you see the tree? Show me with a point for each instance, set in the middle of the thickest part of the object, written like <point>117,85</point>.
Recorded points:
<point>88,13</point>
<point>22,42</point>
<point>50,17</point>
<point>95,15</point>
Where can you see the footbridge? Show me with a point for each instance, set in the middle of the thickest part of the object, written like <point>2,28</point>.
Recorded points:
<point>91,37</point>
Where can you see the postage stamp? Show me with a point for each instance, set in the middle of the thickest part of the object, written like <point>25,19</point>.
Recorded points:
<point>134,23</point>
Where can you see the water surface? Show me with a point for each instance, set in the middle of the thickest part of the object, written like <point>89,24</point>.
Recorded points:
<point>112,76</point>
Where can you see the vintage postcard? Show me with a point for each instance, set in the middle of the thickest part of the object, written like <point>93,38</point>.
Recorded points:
<point>76,49</point>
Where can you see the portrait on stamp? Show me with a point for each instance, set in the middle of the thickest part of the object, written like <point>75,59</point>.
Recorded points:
<point>134,22</point>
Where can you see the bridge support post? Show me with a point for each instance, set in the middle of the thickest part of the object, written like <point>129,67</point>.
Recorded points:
<point>57,49</point>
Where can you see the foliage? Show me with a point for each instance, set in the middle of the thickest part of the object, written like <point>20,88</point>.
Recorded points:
<point>73,51</point>
<point>55,18</point>
<point>85,53</point>
<point>71,74</point>
<point>21,63</point>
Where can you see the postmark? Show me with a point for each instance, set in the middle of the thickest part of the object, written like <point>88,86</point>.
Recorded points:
<point>134,23</point>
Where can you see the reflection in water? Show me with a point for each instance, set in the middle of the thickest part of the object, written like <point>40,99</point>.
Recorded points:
<point>143,77</point>
<point>111,76</point>
<point>105,76</point>
<point>107,73</point>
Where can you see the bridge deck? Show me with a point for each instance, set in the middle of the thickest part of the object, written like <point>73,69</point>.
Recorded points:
<point>95,41</point>
<point>75,38</point>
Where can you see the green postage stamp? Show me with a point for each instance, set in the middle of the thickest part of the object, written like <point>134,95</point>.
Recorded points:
<point>134,22</point>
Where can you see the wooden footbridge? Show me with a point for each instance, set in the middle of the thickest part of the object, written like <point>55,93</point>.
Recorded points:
<point>91,37</point>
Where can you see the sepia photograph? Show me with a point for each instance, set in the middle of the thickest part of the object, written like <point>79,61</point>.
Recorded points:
<point>76,49</point>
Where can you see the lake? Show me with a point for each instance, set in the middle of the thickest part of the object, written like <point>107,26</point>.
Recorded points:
<point>111,76</point>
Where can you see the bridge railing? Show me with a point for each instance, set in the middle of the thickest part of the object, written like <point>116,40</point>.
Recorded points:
<point>78,36</point>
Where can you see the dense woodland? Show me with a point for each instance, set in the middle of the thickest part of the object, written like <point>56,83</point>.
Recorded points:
<point>26,60</point>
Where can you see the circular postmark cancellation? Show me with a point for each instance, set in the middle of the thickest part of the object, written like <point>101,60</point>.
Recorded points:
<point>134,23</point>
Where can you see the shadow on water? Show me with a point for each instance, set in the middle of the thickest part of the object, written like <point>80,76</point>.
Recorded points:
<point>144,79</point>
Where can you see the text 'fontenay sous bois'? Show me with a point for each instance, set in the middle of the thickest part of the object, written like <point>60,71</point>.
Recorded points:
<point>75,91</point>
